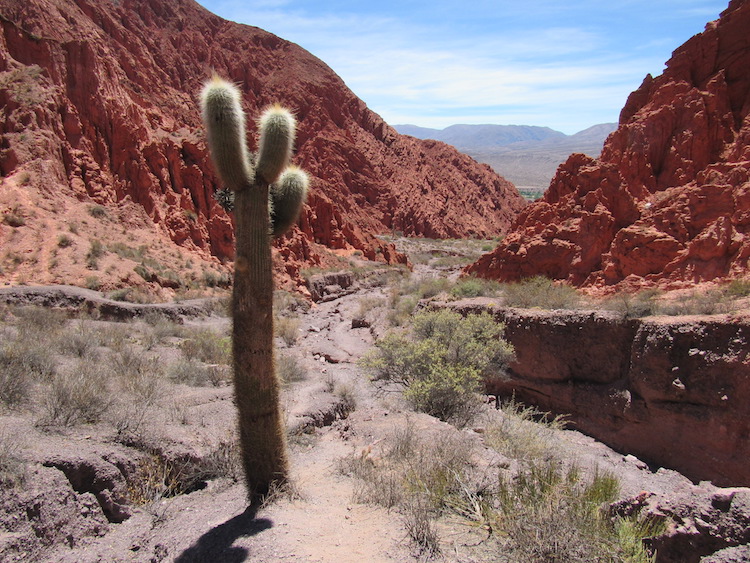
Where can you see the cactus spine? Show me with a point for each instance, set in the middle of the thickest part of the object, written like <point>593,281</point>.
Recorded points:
<point>268,196</point>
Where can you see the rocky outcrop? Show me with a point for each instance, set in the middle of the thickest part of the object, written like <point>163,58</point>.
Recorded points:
<point>704,523</point>
<point>673,391</point>
<point>667,202</point>
<point>99,106</point>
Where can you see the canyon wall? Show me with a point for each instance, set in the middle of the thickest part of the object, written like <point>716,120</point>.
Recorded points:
<point>670,390</point>
<point>100,107</point>
<point>668,201</point>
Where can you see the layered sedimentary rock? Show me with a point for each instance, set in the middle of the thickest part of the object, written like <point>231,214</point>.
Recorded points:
<point>668,201</point>
<point>100,106</point>
<point>673,391</point>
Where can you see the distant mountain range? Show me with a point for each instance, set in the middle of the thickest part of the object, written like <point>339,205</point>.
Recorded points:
<point>526,155</point>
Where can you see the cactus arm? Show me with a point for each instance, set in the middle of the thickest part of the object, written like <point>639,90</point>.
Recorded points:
<point>288,194</point>
<point>277,128</point>
<point>225,123</point>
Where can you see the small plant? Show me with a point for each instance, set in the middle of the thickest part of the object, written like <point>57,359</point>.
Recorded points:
<point>290,369</point>
<point>736,289</point>
<point>93,283</point>
<point>75,395</point>
<point>14,218</point>
<point>190,372</point>
<point>422,474</point>
<point>140,380</point>
<point>475,287</point>
<point>441,364</point>
<point>207,346</point>
<point>15,380</point>
<point>97,211</point>
<point>12,466</point>
<point>96,251</point>
<point>287,328</point>
<point>524,433</point>
<point>64,241</point>
<point>540,292</point>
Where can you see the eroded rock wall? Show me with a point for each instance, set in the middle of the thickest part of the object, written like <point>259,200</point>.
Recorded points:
<point>668,202</point>
<point>673,391</point>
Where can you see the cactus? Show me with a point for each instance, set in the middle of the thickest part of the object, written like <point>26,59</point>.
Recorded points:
<point>267,198</point>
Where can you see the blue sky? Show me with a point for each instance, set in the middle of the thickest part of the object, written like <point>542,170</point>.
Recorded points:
<point>434,63</point>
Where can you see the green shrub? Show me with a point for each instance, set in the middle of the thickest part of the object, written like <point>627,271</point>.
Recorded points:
<point>540,292</point>
<point>738,288</point>
<point>64,241</point>
<point>12,466</point>
<point>475,287</point>
<point>440,364</point>
<point>207,346</point>
<point>97,211</point>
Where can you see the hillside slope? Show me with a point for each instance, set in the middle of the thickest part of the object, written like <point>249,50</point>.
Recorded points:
<point>100,110</point>
<point>668,201</point>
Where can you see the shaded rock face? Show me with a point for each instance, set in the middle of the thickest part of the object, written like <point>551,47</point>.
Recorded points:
<point>668,201</point>
<point>100,105</point>
<point>672,392</point>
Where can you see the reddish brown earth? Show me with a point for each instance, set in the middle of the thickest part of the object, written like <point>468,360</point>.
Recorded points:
<point>668,201</point>
<point>671,390</point>
<point>100,107</point>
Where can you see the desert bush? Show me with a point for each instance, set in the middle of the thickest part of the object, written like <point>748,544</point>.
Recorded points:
<point>39,322</point>
<point>367,305</point>
<point>710,302</point>
<point>441,362</point>
<point>80,341</point>
<point>97,211</point>
<point>207,346</point>
<point>15,379</point>
<point>96,251</point>
<point>287,328</point>
<point>540,292</point>
<point>523,432</point>
<point>139,378</point>
<point>131,295</point>
<point>547,513</point>
<point>290,369</point>
<point>475,287</point>
<point>64,241</point>
<point>77,394</point>
<point>196,374</point>
<point>634,305</point>
<point>738,288</point>
<point>422,475</point>
<point>12,466</point>
<point>22,363</point>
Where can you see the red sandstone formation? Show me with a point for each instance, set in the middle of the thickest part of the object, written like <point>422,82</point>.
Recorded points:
<point>668,201</point>
<point>99,105</point>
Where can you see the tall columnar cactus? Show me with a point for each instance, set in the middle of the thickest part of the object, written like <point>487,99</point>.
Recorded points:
<point>268,195</point>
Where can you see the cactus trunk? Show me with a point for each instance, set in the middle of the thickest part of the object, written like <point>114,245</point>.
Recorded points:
<point>262,433</point>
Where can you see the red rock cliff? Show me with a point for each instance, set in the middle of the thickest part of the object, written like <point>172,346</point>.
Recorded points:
<point>99,103</point>
<point>668,201</point>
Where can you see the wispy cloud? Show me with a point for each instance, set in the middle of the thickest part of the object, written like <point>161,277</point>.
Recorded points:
<point>539,62</point>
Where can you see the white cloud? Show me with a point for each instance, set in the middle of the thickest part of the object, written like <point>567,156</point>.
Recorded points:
<point>427,72</point>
